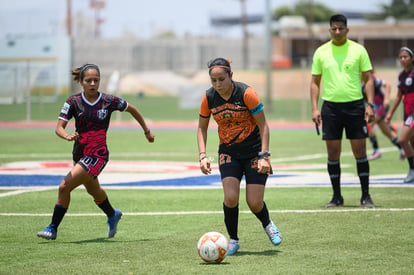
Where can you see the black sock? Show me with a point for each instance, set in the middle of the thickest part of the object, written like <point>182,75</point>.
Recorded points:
<point>411,162</point>
<point>231,219</point>
<point>334,171</point>
<point>106,207</point>
<point>363,174</point>
<point>263,215</point>
<point>374,142</point>
<point>396,143</point>
<point>58,213</point>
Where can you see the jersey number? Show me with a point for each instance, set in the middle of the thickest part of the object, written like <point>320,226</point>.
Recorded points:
<point>224,158</point>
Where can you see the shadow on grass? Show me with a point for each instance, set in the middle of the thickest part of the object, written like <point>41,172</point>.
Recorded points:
<point>105,240</point>
<point>351,206</point>
<point>245,253</point>
<point>258,253</point>
<point>213,263</point>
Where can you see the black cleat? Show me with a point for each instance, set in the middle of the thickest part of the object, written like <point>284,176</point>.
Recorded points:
<point>335,202</point>
<point>367,202</point>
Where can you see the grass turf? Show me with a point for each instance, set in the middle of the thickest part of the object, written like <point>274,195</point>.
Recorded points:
<point>320,242</point>
<point>316,241</point>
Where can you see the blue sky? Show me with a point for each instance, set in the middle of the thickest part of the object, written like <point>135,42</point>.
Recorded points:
<point>144,18</point>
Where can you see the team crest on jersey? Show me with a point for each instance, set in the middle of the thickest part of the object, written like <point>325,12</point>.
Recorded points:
<point>102,114</point>
<point>65,108</point>
<point>408,81</point>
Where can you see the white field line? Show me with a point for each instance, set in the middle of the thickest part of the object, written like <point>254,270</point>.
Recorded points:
<point>170,213</point>
<point>21,191</point>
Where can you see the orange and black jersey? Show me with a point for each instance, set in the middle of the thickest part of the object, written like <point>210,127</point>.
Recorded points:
<point>237,129</point>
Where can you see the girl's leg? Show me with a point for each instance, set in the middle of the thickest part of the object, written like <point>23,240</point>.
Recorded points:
<point>72,180</point>
<point>254,198</point>
<point>101,199</point>
<point>231,188</point>
<point>406,141</point>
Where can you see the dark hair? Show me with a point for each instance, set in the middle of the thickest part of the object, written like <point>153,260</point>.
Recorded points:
<point>78,73</point>
<point>219,62</point>
<point>338,18</point>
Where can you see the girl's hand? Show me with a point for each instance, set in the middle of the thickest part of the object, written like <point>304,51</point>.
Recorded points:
<point>205,166</point>
<point>263,166</point>
<point>73,136</point>
<point>150,136</point>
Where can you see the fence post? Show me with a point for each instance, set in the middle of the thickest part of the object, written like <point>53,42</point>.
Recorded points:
<point>28,95</point>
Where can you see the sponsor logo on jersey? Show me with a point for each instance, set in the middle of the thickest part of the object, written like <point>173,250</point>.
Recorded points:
<point>65,108</point>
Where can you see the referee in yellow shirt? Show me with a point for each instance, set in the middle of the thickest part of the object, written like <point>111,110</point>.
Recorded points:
<point>338,68</point>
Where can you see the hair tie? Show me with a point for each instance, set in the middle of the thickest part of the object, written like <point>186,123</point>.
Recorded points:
<point>88,66</point>
<point>407,50</point>
<point>220,66</point>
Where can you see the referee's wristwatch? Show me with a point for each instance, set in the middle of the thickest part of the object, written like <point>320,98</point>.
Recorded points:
<point>371,104</point>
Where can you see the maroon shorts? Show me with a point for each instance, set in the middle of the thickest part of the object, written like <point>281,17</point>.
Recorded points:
<point>92,165</point>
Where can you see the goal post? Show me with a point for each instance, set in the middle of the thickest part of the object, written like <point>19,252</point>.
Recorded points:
<point>34,70</point>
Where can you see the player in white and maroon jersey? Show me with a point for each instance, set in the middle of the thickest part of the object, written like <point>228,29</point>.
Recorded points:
<point>92,111</point>
<point>382,92</point>
<point>406,95</point>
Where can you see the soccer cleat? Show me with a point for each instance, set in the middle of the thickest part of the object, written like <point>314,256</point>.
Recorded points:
<point>402,154</point>
<point>367,202</point>
<point>375,155</point>
<point>335,202</point>
<point>234,246</point>
<point>273,233</point>
<point>410,176</point>
<point>113,223</point>
<point>49,233</point>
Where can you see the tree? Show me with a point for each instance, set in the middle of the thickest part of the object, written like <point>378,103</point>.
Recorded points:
<point>399,9</point>
<point>320,12</point>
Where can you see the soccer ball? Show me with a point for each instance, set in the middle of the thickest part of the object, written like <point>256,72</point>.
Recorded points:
<point>212,247</point>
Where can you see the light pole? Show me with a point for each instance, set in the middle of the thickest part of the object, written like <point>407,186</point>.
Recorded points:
<point>245,42</point>
<point>97,5</point>
<point>268,56</point>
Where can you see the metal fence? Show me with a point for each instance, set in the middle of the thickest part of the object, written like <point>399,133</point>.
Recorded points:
<point>178,55</point>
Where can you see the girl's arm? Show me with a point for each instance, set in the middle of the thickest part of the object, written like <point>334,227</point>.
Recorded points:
<point>138,117</point>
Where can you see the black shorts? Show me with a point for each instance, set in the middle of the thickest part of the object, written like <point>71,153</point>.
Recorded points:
<point>231,167</point>
<point>339,116</point>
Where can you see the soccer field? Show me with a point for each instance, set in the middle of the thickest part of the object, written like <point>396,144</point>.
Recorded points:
<point>168,205</point>
<point>160,228</point>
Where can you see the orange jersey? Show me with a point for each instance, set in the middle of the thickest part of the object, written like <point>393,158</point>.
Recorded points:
<point>237,127</point>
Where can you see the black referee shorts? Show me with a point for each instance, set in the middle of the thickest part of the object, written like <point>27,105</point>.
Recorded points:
<point>339,116</point>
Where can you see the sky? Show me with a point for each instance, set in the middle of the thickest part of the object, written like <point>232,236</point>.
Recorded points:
<point>143,19</point>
